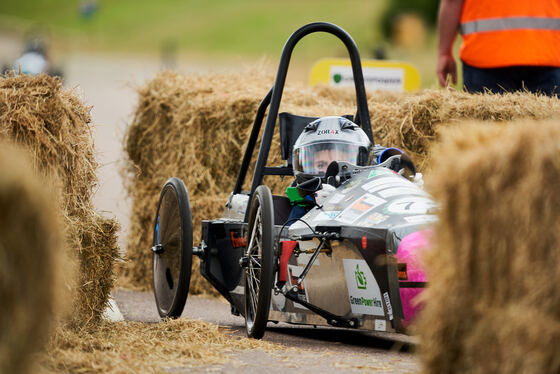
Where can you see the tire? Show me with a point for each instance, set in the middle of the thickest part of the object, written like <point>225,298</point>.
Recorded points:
<point>172,249</point>
<point>259,271</point>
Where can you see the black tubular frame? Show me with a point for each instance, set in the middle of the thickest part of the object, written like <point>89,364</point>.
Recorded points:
<point>274,96</point>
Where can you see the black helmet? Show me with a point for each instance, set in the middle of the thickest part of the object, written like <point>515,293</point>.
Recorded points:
<point>330,139</point>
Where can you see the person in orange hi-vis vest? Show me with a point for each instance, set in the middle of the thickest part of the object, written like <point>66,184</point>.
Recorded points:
<point>508,45</point>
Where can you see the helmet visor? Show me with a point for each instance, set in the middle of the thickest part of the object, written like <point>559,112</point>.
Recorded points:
<point>314,158</point>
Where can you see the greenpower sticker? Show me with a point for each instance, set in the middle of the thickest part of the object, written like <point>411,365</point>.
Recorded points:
<point>363,290</point>
<point>361,280</point>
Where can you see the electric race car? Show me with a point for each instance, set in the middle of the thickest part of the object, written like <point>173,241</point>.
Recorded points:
<point>349,261</point>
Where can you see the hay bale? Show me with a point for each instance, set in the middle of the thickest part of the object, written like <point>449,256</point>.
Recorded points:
<point>493,304</point>
<point>195,127</point>
<point>54,126</point>
<point>135,347</point>
<point>30,261</point>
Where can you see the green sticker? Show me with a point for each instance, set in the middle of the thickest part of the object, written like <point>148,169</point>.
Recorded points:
<point>376,172</point>
<point>337,78</point>
<point>361,281</point>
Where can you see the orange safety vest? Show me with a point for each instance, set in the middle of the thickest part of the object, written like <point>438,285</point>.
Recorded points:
<point>499,33</point>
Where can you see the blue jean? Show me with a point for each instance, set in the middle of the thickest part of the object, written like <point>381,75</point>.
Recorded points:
<point>297,212</point>
<point>536,79</point>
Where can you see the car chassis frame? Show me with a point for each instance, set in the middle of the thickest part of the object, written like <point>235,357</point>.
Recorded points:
<point>245,254</point>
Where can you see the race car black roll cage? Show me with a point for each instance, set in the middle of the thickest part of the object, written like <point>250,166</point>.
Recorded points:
<point>272,102</point>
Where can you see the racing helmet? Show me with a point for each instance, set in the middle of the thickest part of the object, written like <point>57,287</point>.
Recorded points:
<point>330,139</point>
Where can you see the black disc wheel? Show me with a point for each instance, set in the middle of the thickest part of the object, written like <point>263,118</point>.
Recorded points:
<point>172,249</point>
<point>259,260</point>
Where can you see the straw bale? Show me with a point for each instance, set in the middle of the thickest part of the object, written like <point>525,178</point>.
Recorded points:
<point>31,265</point>
<point>196,126</point>
<point>134,347</point>
<point>54,126</point>
<point>493,303</point>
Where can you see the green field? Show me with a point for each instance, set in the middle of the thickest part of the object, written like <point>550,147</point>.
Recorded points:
<point>246,27</point>
<point>212,28</point>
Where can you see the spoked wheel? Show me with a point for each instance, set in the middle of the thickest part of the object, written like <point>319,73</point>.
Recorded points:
<point>259,262</point>
<point>172,249</point>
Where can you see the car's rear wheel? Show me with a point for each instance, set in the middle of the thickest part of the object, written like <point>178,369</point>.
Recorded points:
<point>172,249</point>
<point>259,262</point>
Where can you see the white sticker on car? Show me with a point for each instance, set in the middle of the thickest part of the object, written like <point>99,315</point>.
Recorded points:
<point>401,191</point>
<point>373,219</point>
<point>426,218</point>
<point>388,304</point>
<point>326,215</point>
<point>380,325</point>
<point>359,208</point>
<point>335,198</point>
<point>410,205</point>
<point>363,290</point>
<point>379,171</point>
<point>382,183</point>
<point>348,186</point>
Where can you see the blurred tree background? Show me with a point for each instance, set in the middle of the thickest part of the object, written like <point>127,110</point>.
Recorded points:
<point>426,10</point>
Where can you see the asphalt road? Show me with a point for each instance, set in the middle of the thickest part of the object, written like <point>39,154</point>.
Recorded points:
<point>322,349</point>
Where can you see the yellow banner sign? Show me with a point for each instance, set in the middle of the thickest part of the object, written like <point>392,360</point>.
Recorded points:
<point>378,74</point>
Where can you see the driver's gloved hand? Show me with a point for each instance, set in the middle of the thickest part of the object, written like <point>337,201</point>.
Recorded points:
<point>323,194</point>
<point>334,181</point>
<point>395,165</point>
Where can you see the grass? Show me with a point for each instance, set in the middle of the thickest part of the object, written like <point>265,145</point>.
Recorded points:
<point>244,27</point>
<point>214,29</point>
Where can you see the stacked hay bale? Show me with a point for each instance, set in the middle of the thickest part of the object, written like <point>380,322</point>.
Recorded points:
<point>31,260</point>
<point>493,304</point>
<point>54,127</point>
<point>195,128</point>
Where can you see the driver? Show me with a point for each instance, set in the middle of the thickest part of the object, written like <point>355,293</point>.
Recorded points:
<point>325,140</point>
<point>322,141</point>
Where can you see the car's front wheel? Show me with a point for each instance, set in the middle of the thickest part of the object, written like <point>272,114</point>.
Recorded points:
<point>172,249</point>
<point>259,262</point>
